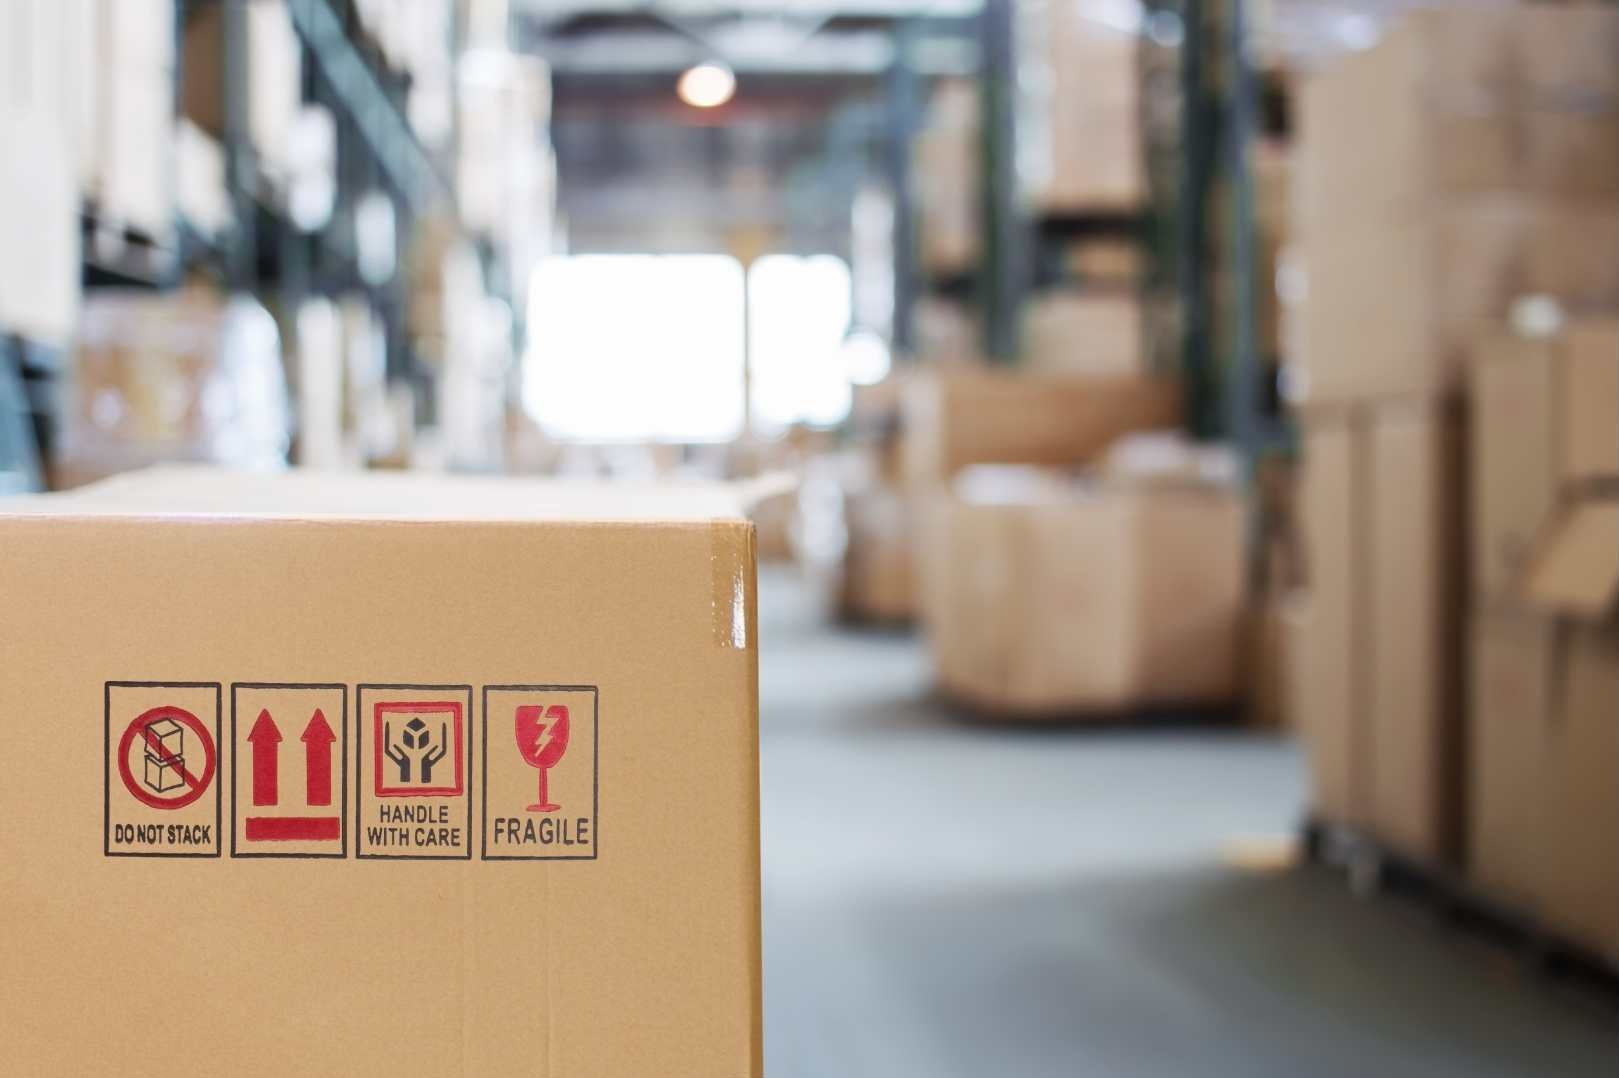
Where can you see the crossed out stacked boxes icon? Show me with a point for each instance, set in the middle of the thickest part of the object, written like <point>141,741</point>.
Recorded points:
<point>165,755</point>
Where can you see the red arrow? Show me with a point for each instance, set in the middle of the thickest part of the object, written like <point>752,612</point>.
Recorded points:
<point>265,739</point>
<point>318,739</point>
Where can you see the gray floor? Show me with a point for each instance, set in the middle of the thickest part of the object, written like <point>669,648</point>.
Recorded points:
<point>942,900</point>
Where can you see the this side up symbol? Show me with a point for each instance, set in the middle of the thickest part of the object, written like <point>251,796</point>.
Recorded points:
<point>542,738</point>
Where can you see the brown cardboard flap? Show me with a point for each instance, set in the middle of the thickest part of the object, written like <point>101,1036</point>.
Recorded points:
<point>1574,568</point>
<point>414,496</point>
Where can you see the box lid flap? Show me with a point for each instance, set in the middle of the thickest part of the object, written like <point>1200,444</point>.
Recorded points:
<point>1574,567</point>
<point>193,491</point>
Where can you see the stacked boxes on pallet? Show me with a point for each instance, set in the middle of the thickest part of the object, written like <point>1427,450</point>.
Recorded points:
<point>1467,160</point>
<point>1046,594</point>
<point>1543,798</point>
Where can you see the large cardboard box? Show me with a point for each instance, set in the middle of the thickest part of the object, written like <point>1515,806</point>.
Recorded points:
<point>1546,419</point>
<point>1080,143</point>
<point>1579,891</point>
<point>984,417</point>
<point>1543,804</point>
<point>530,709</point>
<point>1443,173</point>
<point>1095,332</point>
<point>1046,598</point>
<point>1512,672</point>
<point>879,574</point>
<point>1391,312</point>
<point>1455,102</point>
<point>1384,522</point>
<point>1330,633</point>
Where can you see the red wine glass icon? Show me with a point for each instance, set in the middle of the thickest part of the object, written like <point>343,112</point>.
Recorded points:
<point>542,743</point>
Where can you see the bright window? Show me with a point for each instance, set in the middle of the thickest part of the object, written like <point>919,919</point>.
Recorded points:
<point>636,348</point>
<point>799,309</point>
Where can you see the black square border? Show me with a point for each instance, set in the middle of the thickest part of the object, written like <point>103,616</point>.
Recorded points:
<point>595,778</point>
<point>359,772</point>
<point>106,763</point>
<point>343,797</point>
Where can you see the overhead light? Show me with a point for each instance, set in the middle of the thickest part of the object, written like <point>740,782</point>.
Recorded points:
<point>707,85</point>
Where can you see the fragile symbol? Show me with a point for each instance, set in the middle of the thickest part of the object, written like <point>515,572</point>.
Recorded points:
<point>161,732</point>
<point>540,802</point>
<point>539,750</point>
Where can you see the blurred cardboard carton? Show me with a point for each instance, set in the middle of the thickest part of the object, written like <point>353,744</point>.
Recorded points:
<point>1543,805</point>
<point>1546,418</point>
<point>952,421</point>
<point>1095,332</point>
<point>1383,517</point>
<point>1047,598</point>
<point>1441,174</point>
<point>595,643</point>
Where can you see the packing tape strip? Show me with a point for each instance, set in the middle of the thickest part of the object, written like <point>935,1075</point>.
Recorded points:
<point>734,595</point>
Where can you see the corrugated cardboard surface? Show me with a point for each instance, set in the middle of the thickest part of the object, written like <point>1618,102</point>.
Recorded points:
<point>1331,647</point>
<point>1513,471</point>
<point>1543,823</point>
<point>1414,668</point>
<point>1088,601</point>
<point>1512,672</point>
<point>1580,885</point>
<point>952,421</point>
<point>642,961</point>
<point>1590,419</point>
<point>1384,522</point>
<point>1574,569</point>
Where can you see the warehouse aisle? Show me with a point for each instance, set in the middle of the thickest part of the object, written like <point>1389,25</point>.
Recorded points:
<point>942,901</point>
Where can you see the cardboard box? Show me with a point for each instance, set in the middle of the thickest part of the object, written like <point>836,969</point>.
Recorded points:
<point>991,417</point>
<point>1456,102</point>
<point>1049,599</point>
<point>1384,521</point>
<point>1546,419</point>
<point>587,649</point>
<point>1080,143</point>
<point>1331,647</point>
<point>275,89</point>
<point>1512,674</point>
<point>1579,892</point>
<point>879,585</point>
<point>1092,333</point>
<point>1544,807</point>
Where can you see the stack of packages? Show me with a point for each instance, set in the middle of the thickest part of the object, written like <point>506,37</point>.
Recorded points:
<point>948,151</point>
<point>1469,159</point>
<point>1081,154</point>
<point>1097,327</point>
<point>1543,753</point>
<point>187,376</point>
<point>1080,114</point>
<point>1050,595</point>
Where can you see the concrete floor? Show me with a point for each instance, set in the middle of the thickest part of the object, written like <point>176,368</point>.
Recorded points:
<point>946,901</point>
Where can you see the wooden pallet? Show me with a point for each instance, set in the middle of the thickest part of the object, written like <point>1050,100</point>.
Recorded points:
<point>1373,868</point>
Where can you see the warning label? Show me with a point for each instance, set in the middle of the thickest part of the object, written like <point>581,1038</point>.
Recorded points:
<point>162,763</point>
<point>289,770</point>
<point>540,782</point>
<point>414,754</point>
